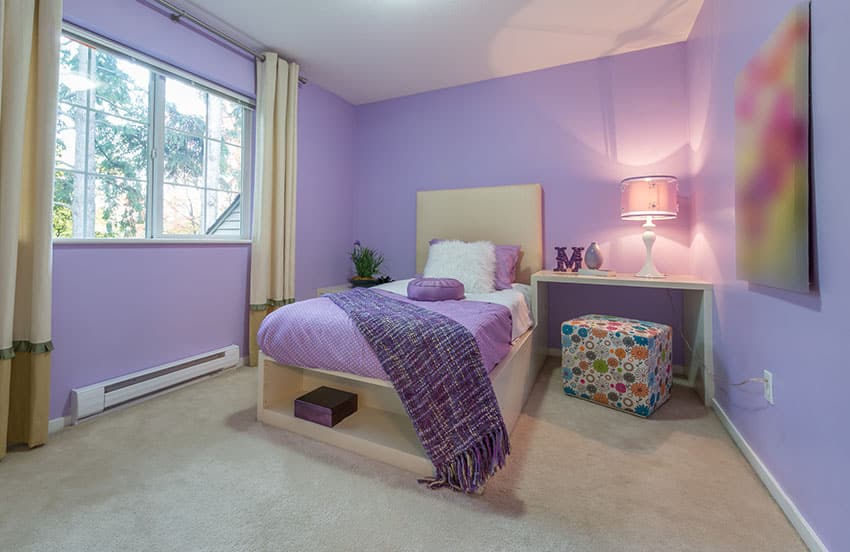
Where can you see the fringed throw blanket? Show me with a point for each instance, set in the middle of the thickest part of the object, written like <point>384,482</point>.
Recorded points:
<point>435,366</point>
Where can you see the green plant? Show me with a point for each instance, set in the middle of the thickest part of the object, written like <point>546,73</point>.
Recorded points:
<point>366,260</point>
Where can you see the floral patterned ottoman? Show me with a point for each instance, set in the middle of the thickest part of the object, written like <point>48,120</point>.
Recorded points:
<point>618,362</point>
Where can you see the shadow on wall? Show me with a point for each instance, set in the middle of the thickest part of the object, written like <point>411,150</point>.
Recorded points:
<point>629,127</point>
<point>615,131</point>
<point>810,300</point>
<point>632,127</point>
<point>642,148</point>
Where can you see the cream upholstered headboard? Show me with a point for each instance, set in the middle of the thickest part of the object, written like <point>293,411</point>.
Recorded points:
<point>504,215</point>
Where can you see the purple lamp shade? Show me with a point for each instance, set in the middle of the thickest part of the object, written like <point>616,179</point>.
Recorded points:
<point>649,196</point>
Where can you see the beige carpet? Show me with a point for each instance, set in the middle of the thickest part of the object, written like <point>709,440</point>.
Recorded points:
<point>193,470</point>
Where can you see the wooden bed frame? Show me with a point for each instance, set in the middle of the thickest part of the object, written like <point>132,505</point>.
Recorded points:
<point>381,429</point>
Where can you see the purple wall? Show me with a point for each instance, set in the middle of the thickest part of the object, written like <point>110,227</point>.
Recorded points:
<point>122,308</point>
<point>325,217</point>
<point>142,26</point>
<point>803,439</point>
<point>576,129</point>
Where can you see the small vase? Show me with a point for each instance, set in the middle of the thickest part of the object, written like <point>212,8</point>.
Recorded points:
<point>593,257</point>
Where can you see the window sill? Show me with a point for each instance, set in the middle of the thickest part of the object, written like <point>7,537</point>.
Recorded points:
<point>148,241</point>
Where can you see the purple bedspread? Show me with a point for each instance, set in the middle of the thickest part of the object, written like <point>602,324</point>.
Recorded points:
<point>318,334</point>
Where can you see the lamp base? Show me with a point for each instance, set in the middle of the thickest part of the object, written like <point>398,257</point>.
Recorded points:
<point>649,270</point>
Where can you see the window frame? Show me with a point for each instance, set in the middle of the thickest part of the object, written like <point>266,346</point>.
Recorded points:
<point>156,144</point>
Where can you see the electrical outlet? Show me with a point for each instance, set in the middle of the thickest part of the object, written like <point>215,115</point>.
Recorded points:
<point>768,386</point>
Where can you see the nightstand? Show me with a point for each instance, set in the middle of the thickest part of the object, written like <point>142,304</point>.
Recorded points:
<point>332,289</point>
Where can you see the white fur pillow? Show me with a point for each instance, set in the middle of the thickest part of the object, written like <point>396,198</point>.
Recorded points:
<point>474,264</point>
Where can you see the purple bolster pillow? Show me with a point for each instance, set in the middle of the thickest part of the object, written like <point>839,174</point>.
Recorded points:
<point>434,289</point>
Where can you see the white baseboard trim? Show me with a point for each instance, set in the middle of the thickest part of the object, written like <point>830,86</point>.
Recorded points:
<point>58,424</point>
<point>810,538</point>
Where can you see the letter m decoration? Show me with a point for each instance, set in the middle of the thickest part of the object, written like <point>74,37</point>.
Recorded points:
<point>566,264</point>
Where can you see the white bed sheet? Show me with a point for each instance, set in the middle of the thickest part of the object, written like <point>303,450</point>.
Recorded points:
<point>517,300</point>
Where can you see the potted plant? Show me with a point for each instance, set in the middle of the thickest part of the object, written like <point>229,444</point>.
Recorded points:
<point>366,261</point>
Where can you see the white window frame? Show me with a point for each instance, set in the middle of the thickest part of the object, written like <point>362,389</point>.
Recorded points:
<point>153,213</point>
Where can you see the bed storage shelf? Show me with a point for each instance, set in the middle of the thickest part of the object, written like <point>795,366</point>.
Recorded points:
<point>376,430</point>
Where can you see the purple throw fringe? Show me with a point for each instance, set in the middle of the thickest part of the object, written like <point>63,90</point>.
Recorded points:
<point>471,469</point>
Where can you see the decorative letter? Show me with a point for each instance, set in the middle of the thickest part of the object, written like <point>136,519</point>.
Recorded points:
<point>562,261</point>
<point>575,261</point>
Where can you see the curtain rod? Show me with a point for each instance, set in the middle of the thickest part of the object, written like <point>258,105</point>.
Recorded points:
<point>178,13</point>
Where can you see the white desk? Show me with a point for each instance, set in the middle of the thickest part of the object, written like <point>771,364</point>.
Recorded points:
<point>697,316</point>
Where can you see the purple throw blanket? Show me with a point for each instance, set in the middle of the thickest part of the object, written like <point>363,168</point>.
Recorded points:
<point>435,366</point>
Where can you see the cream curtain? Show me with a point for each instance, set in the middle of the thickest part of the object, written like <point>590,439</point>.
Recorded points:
<point>273,238</point>
<point>29,80</point>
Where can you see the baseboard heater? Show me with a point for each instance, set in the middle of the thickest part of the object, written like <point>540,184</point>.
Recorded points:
<point>94,399</point>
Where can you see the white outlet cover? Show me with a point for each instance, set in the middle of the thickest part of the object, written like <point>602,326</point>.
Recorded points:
<point>768,386</point>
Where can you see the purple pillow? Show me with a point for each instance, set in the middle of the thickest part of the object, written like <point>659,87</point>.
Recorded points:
<point>506,260</point>
<point>434,289</point>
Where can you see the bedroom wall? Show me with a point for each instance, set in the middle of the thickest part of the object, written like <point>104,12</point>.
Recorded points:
<point>803,439</point>
<point>325,218</point>
<point>122,308</point>
<point>577,129</point>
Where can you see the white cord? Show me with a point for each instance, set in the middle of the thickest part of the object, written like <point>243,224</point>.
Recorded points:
<point>691,349</point>
<point>681,331</point>
<point>751,380</point>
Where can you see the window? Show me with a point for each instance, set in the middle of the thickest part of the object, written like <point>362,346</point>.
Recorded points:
<point>143,153</point>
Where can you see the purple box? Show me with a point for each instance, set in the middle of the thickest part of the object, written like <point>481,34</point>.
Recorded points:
<point>326,406</point>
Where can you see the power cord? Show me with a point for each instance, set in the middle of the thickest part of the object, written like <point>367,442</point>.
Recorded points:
<point>751,380</point>
<point>691,349</point>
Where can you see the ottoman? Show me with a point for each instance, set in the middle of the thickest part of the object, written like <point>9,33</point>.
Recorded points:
<point>617,362</point>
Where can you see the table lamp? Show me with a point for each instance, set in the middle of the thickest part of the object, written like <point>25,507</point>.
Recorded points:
<point>649,198</point>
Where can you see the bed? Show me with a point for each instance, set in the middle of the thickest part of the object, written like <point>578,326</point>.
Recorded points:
<point>381,428</point>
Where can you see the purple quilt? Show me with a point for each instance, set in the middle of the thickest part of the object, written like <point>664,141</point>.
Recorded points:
<point>318,334</point>
<point>436,369</point>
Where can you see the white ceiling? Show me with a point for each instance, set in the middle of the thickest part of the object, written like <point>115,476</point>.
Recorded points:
<point>370,50</point>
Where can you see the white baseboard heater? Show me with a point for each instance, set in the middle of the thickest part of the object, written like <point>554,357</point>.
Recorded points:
<point>94,399</point>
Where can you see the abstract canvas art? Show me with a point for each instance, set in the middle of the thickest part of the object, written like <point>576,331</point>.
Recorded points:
<point>772,159</point>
